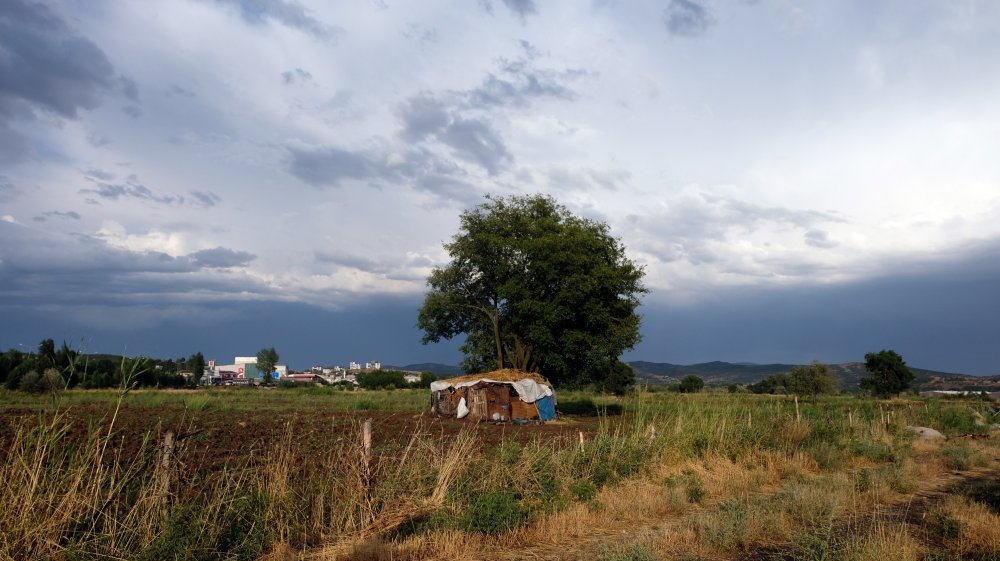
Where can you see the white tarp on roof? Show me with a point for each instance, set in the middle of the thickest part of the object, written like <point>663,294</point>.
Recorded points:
<point>527,389</point>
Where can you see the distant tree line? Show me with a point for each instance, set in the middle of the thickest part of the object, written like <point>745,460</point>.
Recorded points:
<point>51,368</point>
<point>392,379</point>
<point>811,379</point>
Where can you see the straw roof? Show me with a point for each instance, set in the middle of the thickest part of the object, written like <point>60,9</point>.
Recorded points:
<point>505,375</point>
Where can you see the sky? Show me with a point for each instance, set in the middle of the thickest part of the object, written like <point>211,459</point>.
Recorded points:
<point>800,180</point>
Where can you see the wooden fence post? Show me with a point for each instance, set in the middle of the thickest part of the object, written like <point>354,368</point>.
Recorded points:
<point>166,459</point>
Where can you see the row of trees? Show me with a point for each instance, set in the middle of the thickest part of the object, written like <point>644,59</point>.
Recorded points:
<point>51,368</point>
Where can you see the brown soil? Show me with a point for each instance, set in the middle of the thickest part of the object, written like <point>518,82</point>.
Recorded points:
<point>218,439</point>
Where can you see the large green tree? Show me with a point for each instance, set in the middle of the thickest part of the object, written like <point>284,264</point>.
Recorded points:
<point>266,361</point>
<point>812,379</point>
<point>534,287</point>
<point>197,365</point>
<point>887,375</point>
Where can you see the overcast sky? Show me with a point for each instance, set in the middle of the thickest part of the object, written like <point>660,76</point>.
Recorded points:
<point>801,180</point>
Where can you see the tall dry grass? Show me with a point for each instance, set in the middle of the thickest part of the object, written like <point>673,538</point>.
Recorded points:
<point>710,475</point>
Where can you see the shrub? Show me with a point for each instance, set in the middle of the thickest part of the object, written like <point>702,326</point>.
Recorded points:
<point>942,525</point>
<point>494,513</point>
<point>382,379</point>
<point>583,490</point>
<point>987,494</point>
<point>630,553</point>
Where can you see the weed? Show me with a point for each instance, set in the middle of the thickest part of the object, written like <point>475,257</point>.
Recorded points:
<point>635,552</point>
<point>943,526</point>
<point>366,405</point>
<point>495,512</point>
<point>583,490</point>
<point>987,494</point>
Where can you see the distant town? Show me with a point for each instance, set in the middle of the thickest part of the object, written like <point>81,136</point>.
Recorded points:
<point>243,371</point>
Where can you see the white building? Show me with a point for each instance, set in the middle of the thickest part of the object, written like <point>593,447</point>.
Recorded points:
<point>374,365</point>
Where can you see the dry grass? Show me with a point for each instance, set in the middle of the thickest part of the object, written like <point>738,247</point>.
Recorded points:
<point>716,477</point>
<point>978,527</point>
<point>885,542</point>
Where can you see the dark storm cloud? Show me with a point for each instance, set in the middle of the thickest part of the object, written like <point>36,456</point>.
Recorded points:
<point>46,67</point>
<point>941,312</point>
<point>205,199</point>
<point>330,166</point>
<point>820,239</point>
<point>418,166</point>
<point>405,268</point>
<point>295,76</point>
<point>131,189</point>
<point>175,90</point>
<point>461,120</point>
<point>14,146</point>
<point>98,141</point>
<point>40,268</point>
<point>352,261</point>
<point>518,82</point>
<point>687,18</point>
<point>108,189</point>
<point>476,141</point>
<point>287,13</point>
<point>449,187</point>
<point>221,257</point>
<point>423,115</point>
<point>99,174</point>
<point>688,226</point>
<point>129,88</point>
<point>55,213</point>
<point>8,191</point>
<point>473,140</point>
<point>224,329</point>
<point>521,8</point>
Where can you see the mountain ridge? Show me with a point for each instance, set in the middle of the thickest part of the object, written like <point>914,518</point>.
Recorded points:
<point>719,372</point>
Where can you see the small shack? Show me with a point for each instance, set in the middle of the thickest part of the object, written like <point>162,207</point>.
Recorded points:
<point>501,395</point>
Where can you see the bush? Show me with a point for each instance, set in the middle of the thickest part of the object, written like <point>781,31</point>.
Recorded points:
<point>987,494</point>
<point>583,490</point>
<point>33,382</point>
<point>382,379</point>
<point>691,384</point>
<point>494,513</point>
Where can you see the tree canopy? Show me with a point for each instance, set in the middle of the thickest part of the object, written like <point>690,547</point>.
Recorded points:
<point>811,379</point>
<point>887,375</point>
<point>534,287</point>
<point>266,360</point>
<point>691,384</point>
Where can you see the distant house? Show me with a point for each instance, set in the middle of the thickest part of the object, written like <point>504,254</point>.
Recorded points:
<point>411,378</point>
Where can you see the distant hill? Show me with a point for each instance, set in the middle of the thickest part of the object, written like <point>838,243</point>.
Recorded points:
<point>724,373</point>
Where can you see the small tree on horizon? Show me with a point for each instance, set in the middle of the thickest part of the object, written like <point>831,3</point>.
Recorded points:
<point>197,365</point>
<point>266,360</point>
<point>888,374</point>
<point>812,379</point>
<point>691,384</point>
